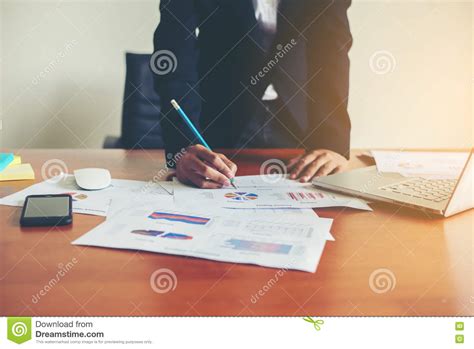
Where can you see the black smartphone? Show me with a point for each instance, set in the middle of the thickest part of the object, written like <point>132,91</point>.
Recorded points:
<point>46,210</point>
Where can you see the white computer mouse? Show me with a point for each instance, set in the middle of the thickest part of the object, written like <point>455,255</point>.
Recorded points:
<point>92,178</point>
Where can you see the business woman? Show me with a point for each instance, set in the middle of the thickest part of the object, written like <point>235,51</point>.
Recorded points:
<point>255,73</point>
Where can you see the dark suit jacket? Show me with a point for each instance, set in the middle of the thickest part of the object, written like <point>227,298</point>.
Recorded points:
<point>222,73</point>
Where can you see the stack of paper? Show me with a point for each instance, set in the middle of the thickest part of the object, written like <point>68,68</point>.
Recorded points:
<point>93,202</point>
<point>430,165</point>
<point>263,222</point>
<point>294,240</point>
<point>261,192</point>
<point>11,168</point>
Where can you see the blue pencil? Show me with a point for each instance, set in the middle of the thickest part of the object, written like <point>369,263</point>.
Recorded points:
<point>194,129</point>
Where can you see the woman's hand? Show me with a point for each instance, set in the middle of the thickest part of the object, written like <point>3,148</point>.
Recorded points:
<point>205,168</point>
<point>316,163</point>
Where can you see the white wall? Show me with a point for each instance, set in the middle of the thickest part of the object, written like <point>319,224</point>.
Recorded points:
<point>62,71</point>
<point>426,101</point>
<point>58,97</point>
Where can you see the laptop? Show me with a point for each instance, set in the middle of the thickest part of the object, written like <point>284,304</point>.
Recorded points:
<point>444,197</point>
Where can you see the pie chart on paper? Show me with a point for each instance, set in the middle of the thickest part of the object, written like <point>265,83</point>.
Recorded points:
<point>241,196</point>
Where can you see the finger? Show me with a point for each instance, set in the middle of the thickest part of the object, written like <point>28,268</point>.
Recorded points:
<point>229,163</point>
<point>292,162</point>
<point>206,184</point>
<point>312,168</point>
<point>301,164</point>
<point>215,161</point>
<point>169,176</point>
<point>337,169</point>
<point>326,169</point>
<point>208,172</point>
<point>202,182</point>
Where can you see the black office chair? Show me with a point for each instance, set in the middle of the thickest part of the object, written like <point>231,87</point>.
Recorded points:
<point>141,108</point>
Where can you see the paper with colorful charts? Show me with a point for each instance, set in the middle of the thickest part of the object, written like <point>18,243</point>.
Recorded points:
<point>294,240</point>
<point>255,193</point>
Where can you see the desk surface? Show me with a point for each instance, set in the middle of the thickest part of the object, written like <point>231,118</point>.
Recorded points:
<point>429,259</point>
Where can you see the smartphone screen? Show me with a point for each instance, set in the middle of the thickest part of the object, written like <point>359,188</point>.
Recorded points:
<point>47,207</point>
<point>46,210</point>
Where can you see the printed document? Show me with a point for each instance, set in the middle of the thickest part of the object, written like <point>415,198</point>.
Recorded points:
<point>93,202</point>
<point>434,165</point>
<point>258,195</point>
<point>277,241</point>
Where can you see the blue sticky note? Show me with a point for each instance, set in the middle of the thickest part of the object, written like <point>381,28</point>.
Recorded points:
<point>5,159</point>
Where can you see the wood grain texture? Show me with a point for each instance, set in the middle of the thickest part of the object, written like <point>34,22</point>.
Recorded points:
<point>431,260</point>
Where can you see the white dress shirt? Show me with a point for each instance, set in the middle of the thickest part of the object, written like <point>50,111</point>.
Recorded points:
<point>266,15</point>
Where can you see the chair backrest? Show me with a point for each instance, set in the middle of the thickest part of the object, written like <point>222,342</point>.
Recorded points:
<point>141,105</point>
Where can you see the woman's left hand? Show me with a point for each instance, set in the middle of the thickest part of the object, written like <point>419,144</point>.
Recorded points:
<point>316,163</point>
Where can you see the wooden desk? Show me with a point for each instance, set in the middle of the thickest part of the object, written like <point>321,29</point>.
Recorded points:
<point>431,260</point>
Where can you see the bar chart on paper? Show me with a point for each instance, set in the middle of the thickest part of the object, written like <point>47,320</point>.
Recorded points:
<point>255,246</point>
<point>292,241</point>
<point>173,217</point>
<point>260,197</point>
<point>161,234</point>
<point>305,196</point>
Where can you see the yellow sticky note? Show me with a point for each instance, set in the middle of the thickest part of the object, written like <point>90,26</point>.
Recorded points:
<point>16,161</point>
<point>17,173</point>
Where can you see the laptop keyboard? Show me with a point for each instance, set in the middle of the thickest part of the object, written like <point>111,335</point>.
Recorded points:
<point>436,190</point>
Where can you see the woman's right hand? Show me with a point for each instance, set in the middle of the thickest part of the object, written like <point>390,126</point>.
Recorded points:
<point>204,168</point>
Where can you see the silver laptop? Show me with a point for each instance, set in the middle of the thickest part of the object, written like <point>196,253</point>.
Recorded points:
<point>445,197</point>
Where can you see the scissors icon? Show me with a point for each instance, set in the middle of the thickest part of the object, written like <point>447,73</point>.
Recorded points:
<point>316,323</point>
